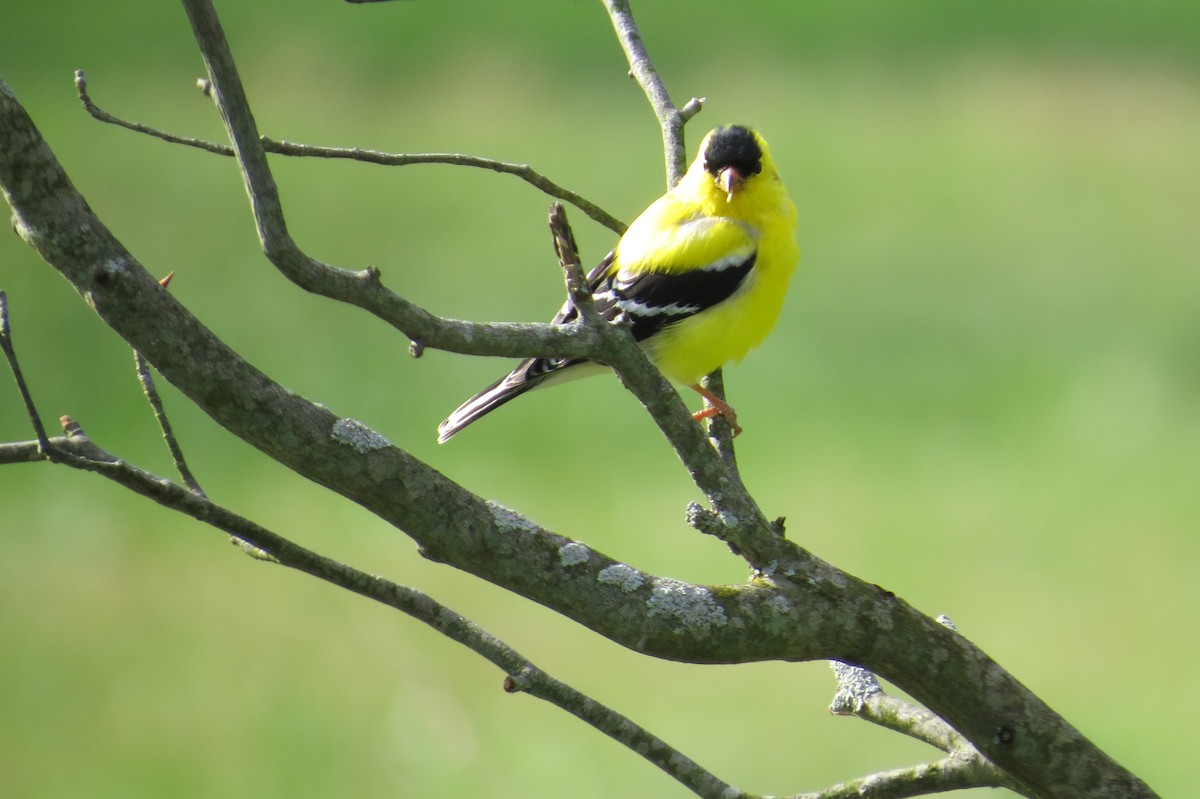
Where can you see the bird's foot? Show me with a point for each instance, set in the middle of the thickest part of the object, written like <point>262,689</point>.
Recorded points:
<point>717,407</point>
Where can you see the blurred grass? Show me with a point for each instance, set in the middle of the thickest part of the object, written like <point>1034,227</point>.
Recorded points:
<point>983,394</point>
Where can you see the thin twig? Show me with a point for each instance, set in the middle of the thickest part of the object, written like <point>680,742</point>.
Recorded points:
<point>146,378</point>
<point>691,108</point>
<point>522,171</point>
<point>99,113</point>
<point>860,694</point>
<point>164,424</point>
<point>948,774</point>
<point>642,69</point>
<point>11,354</point>
<point>292,149</point>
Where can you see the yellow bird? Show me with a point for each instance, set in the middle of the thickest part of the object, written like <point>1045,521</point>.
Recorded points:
<point>701,276</point>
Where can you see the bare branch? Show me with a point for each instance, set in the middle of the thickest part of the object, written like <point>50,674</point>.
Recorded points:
<point>948,774</point>
<point>160,414</point>
<point>522,171</point>
<point>14,366</point>
<point>364,289</point>
<point>78,451</point>
<point>860,694</point>
<point>568,258</point>
<point>670,119</point>
<point>279,147</point>
<point>146,379</point>
<point>100,114</point>
<point>691,108</point>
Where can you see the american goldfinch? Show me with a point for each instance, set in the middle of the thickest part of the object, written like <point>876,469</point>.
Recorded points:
<point>700,275</point>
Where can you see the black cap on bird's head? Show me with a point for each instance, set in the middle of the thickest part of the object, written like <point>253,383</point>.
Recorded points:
<point>732,155</point>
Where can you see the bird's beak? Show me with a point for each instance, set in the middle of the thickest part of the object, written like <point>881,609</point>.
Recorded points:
<point>730,180</point>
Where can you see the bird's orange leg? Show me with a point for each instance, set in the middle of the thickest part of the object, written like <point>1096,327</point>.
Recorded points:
<point>716,407</point>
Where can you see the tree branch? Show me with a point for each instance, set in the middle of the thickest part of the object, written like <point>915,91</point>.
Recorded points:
<point>279,147</point>
<point>670,118</point>
<point>78,451</point>
<point>10,354</point>
<point>358,288</point>
<point>948,774</point>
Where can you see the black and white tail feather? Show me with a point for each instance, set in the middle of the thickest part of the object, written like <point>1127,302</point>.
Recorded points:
<point>531,372</point>
<point>651,301</point>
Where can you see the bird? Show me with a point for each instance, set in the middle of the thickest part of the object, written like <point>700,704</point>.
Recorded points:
<point>700,276</point>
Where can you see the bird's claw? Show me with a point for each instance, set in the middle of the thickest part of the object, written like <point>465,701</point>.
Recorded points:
<point>728,414</point>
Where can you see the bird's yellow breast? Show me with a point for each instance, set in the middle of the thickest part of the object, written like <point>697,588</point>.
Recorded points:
<point>695,346</point>
<point>691,227</point>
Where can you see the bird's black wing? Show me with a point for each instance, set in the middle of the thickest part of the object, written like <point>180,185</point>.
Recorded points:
<point>650,300</point>
<point>654,300</point>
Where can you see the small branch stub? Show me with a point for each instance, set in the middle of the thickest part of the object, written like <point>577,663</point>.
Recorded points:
<point>568,256</point>
<point>691,108</point>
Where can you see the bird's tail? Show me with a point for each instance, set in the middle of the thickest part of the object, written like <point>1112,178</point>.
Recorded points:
<point>506,388</point>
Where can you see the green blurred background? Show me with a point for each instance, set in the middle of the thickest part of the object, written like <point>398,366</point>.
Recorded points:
<point>984,393</point>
